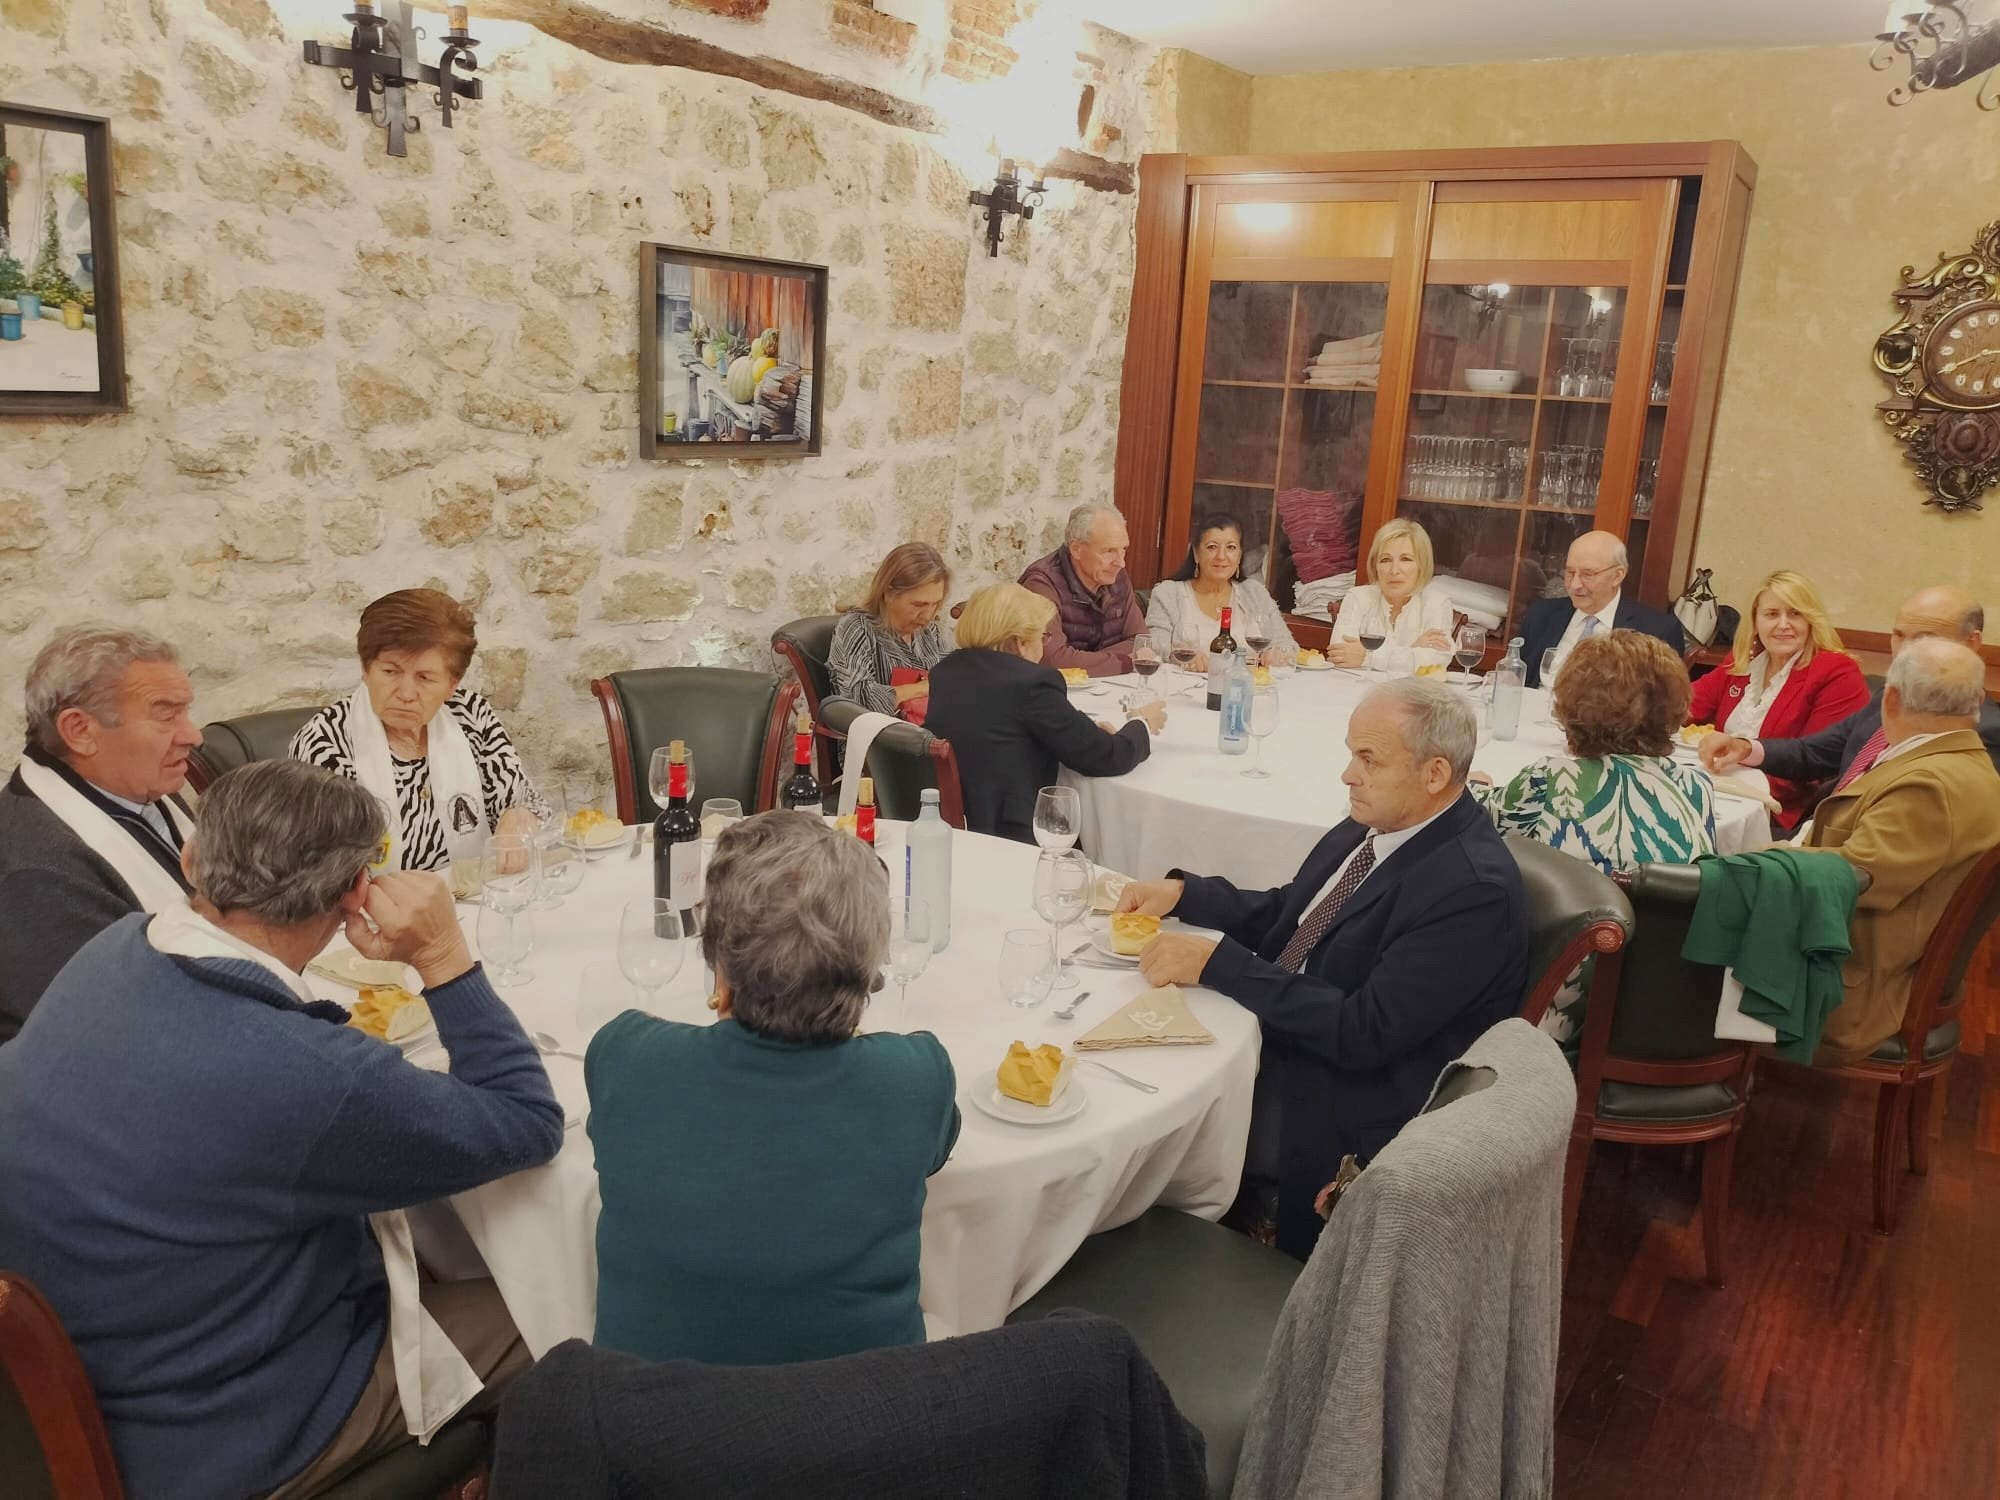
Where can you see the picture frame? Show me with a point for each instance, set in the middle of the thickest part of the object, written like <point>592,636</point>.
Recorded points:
<point>703,317</point>
<point>1436,354</point>
<point>62,346</point>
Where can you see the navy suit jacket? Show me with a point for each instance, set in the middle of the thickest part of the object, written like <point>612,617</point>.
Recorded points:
<point>1822,756</point>
<point>1547,619</point>
<point>1429,952</point>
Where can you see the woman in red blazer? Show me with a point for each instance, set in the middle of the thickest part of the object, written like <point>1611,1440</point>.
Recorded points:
<point>1789,678</point>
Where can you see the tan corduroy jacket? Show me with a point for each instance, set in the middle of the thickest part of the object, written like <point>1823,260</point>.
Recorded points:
<point>1916,824</point>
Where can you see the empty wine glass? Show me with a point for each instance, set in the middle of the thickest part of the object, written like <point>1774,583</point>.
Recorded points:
<point>1546,675</point>
<point>507,873</point>
<point>562,858</point>
<point>506,935</point>
<point>1062,895</point>
<point>1058,817</point>
<point>1025,969</point>
<point>657,774</point>
<point>650,951</point>
<point>1263,721</point>
<point>909,951</point>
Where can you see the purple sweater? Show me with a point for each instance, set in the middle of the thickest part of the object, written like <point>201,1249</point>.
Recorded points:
<point>1094,628</point>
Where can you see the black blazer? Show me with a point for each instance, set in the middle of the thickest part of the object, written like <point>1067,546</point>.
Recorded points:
<point>1548,618</point>
<point>1431,951</point>
<point>1012,727</point>
<point>1827,754</point>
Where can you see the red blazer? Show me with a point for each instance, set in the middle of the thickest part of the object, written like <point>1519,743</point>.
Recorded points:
<point>1824,691</point>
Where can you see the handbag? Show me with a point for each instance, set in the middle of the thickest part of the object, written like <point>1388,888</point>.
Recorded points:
<point>911,709</point>
<point>1697,611</point>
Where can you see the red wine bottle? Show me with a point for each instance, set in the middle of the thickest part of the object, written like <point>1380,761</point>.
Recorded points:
<point>801,793</point>
<point>677,844</point>
<point>1219,651</point>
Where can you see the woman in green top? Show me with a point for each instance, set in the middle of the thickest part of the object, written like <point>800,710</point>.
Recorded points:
<point>763,1178</point>
<point>1619,799</point>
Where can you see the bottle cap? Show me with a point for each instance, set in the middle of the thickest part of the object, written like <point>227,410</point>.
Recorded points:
<point>928,797</point>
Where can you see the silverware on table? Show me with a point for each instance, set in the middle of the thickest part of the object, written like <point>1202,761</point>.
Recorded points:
<point>1068,1012</point>
<point>638,841</point>
<point>1138,1083</point>
<point>548,1046</point>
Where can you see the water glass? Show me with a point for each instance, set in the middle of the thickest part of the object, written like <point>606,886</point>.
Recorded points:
<point>1063,878</point>
<point>1263,722</point>
<point>1026,969</point>
<point>717,813</point>
<point>650,951</point>
<point>1058,817</point>
<point>909,949</point>
<point>506,936</point>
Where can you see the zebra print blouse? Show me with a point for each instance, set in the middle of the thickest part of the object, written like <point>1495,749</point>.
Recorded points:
<point>324,742</point>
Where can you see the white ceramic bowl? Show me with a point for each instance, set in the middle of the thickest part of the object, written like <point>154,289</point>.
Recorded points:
<point>1498,382</point>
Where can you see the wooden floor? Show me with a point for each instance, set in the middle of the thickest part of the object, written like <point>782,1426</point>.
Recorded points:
<point>1836,1362</point>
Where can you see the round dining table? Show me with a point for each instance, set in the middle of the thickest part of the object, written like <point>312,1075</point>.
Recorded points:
<point>1188,806</point>
<point>1004,1213</point>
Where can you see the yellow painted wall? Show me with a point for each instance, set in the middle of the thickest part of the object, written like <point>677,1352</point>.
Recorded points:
<point>1213,104</point>
<point>1801,474</point>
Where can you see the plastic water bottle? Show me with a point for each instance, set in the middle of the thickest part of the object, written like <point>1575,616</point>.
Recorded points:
<point>1510,677</point>
<point>930,868</point>
<point>1232,730</point>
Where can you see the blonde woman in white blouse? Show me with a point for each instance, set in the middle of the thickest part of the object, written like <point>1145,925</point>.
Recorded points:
<point>1397,603</point>
<point>1188,606</point>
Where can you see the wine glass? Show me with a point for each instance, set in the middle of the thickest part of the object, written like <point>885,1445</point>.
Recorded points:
<point>1025,970</point>
<point>658,777</point>
<point>717,813</point>
<point>1258,645</point>
<point>1145,659</point>
<point>1546,675</point>
<point>1263,722</point>
<point>649,946</point>
<point>507,873</point>
<point>909,951</point>
<point>1371,642</point>
<point>1058,817</point>
<point>1062,895</point>
<point>1471,647</point>
<point>506,935</point>
<point>1183,655</point>
<point>562,856</point>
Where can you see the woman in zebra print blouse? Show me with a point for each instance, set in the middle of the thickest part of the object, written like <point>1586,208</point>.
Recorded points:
<point>432,751</point>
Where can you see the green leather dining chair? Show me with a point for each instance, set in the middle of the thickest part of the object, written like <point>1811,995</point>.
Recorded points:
<point>904,761</point>
<point>734,722</point>
<point>807,644</point>
<point>1574,911</point>
<point>229,743</point>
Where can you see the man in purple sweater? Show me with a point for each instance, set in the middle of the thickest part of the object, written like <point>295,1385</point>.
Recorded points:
<point>1097,615</point>
<point>190,1146</point>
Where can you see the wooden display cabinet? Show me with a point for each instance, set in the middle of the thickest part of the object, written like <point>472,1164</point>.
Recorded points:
<point>1509,346</point>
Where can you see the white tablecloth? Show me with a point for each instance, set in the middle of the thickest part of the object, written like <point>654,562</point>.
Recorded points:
<point>1005,1212</point>
<point>1189,807</point>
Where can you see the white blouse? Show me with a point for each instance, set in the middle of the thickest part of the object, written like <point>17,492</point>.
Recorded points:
<point>1747,718</point>
<point>1365,611</point>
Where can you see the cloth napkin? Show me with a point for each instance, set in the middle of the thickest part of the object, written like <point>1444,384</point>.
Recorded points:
<point>1752,785</point>
<point>1106,889</point>
<point>1158,1018</point>
<point>344,966</point>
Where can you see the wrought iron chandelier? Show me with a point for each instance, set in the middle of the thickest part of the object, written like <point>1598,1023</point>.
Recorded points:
<point>1944,43</point>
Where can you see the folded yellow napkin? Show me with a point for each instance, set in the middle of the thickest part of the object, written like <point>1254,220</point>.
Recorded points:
<point>1106,889</point>
<point>1158,1018</point>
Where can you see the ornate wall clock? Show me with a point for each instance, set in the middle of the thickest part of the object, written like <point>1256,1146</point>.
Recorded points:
<point>1944,360</point>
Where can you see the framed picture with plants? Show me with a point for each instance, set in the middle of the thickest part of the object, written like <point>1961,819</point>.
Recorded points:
<point>729,347</point>
<point>61,347</point>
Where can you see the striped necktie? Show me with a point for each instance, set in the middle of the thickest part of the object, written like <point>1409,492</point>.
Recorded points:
<point>1319,921</point>
<point>1864,761</point>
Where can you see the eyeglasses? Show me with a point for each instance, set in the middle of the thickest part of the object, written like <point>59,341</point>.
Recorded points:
<point>1584,575</point>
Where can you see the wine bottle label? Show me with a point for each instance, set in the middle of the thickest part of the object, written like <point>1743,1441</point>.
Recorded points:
<point>684,886</point>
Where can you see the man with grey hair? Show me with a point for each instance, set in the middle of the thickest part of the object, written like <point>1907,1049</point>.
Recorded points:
<point>89,830</point>
<point>191,1146</point>
<point>1916,818</point>
<point>1097,615</point>
<point>1400,940</point>
<point>1594,601</point>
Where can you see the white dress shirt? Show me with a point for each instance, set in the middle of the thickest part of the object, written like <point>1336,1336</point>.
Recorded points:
<point>150,811</point>
<point>1571,636</point>
<point>1386,844</point>
<point>1759,694</point>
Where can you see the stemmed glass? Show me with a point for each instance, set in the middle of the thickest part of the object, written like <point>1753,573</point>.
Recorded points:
<point>1183,655</point>
<point>909,951</point>
<point>650,952</point>
<point>1371,642</point>
<point>1145,659</point>
<point>1546,676</point>
<point>1058,817</point>
<point>1263,721</point>
<point>1062,895</point>
<point>508,883</point>
<point>562,855</point>
<point>656,774</point>
<point>1471,646</point>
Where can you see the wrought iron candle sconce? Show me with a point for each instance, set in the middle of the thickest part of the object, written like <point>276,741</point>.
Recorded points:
<point>1008,195</point>
<point>381,59</point>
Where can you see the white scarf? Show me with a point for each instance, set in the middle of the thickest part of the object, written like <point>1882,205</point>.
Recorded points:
<point>448,762</point>
<point>433,1379</point>
<point>100,833</point>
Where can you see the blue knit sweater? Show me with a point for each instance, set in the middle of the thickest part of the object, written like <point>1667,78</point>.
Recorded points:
<point>186,1162</point>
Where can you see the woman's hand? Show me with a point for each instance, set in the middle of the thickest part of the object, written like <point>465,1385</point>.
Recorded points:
<point>1346,653</point>
<point>1153,715</point>
<point>1436,640</point>
<point>517,820</point>
<point>921,688</point>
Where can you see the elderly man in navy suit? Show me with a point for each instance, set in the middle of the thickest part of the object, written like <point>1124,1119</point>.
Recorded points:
<point>1594,601</point>
<point>1402,938</point>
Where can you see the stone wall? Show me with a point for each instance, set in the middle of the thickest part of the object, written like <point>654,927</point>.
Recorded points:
<point>352,373</point>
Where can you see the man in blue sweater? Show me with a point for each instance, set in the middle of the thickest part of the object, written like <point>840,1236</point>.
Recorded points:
<point>190,1146</point>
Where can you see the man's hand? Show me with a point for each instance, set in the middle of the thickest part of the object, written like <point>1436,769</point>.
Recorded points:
<point>1155,898</point>
<point>415,923</point>
<point>1723,752</point>
<point>1153,715</point>
<point>1175,958</point>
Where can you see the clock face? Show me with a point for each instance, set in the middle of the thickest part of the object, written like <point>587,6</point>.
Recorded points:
<point>1962,356</point>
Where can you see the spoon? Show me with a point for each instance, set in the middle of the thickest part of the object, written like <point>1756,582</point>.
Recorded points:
<point>548,1046</point>
<point>1068,1012</point>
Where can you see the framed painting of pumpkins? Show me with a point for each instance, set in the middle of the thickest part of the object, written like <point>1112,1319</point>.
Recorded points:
<point>729,348</point>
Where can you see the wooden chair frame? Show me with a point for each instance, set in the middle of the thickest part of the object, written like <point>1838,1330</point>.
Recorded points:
<point>1904,1104</point>
<point>1601,937</point>
<point>624,779</point>
<point>49,1376</point>
<point>825,769</point>
<point>944,766</point>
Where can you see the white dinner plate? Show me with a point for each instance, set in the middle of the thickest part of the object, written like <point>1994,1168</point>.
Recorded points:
<point>987,1099</point>
<point>1100,939</point>
<point>1324,666</point>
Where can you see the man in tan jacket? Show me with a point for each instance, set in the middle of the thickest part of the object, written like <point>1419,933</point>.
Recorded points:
<point>1916,815</point>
